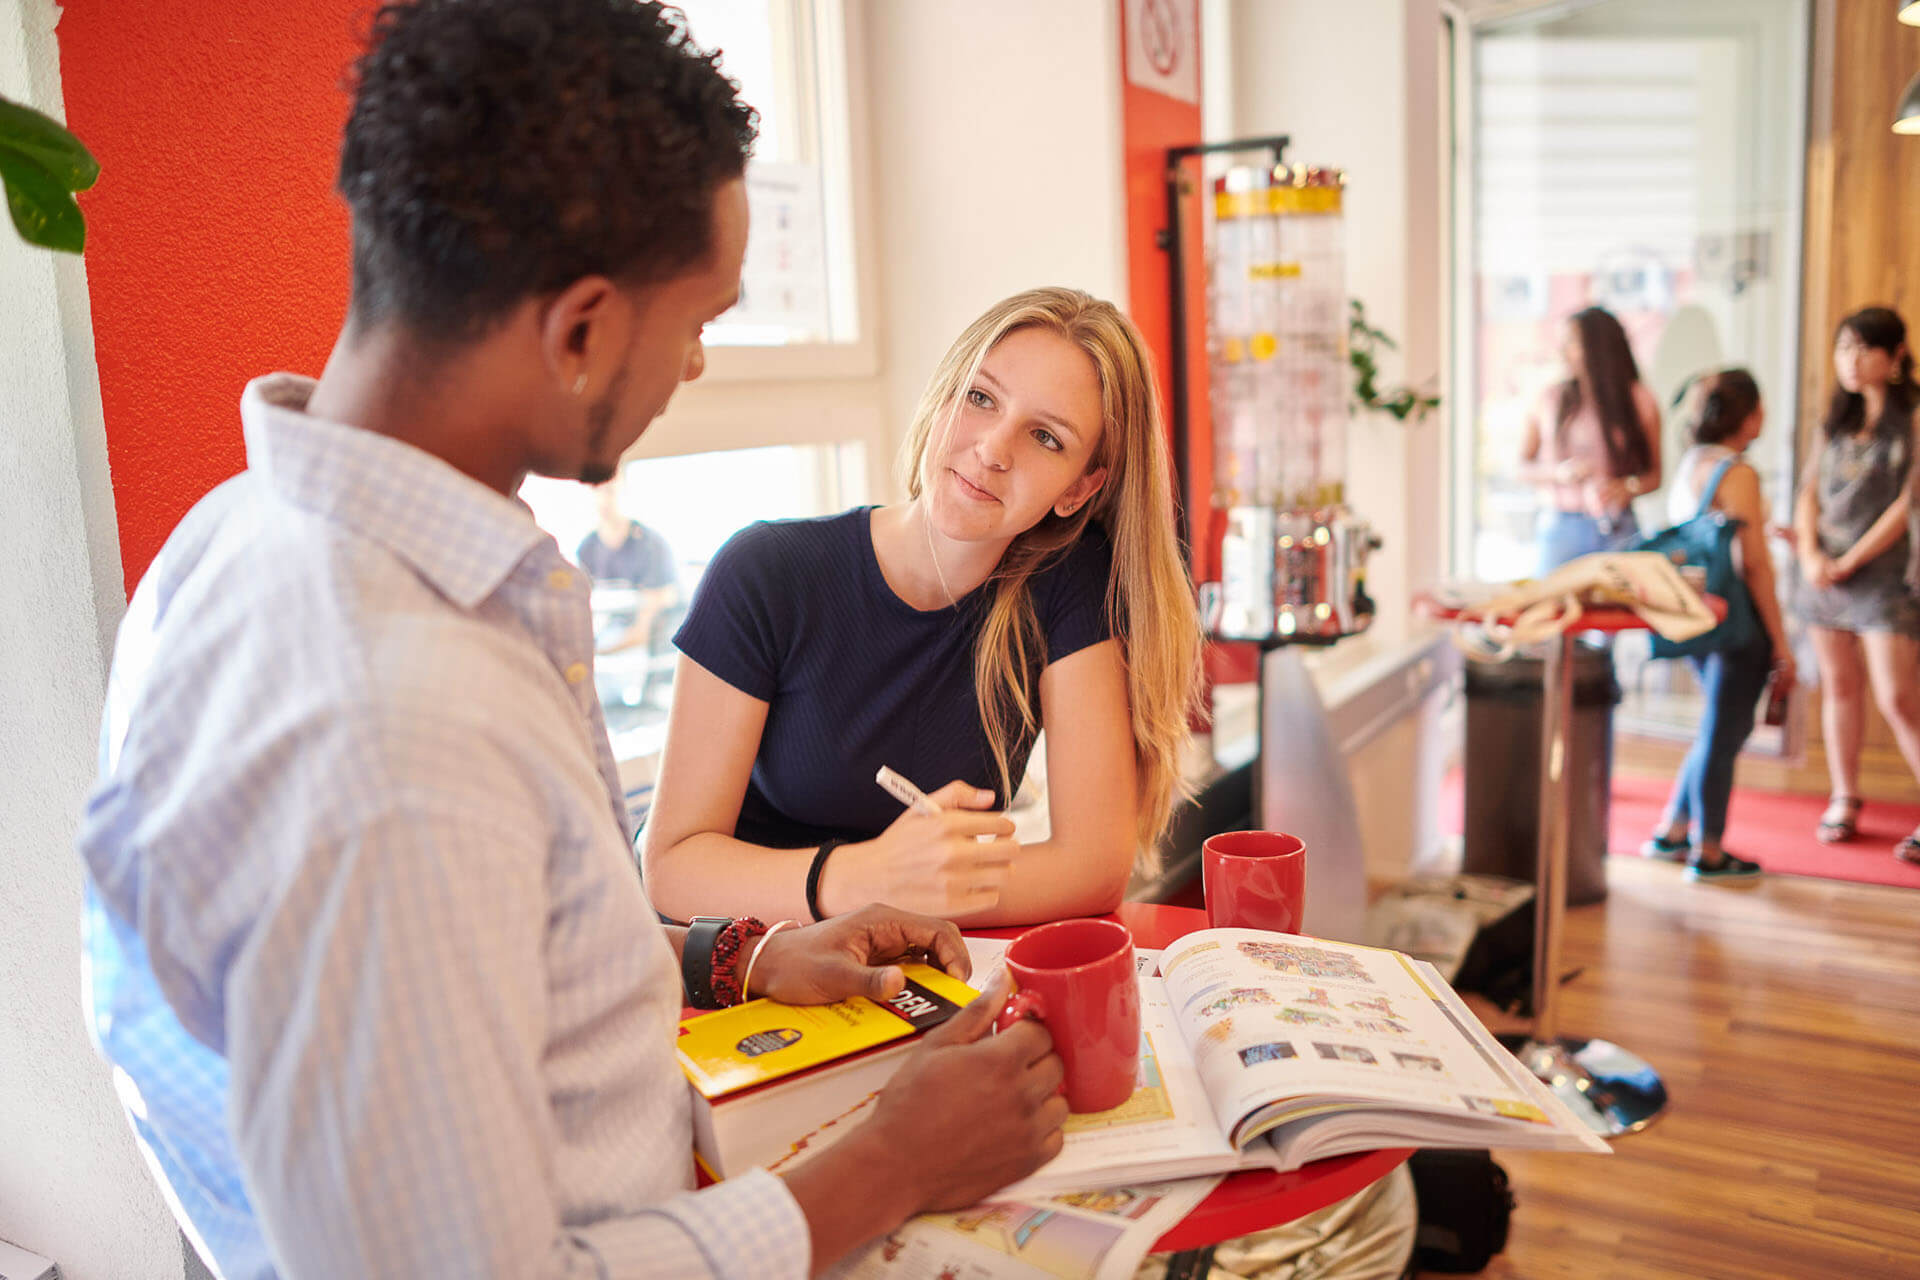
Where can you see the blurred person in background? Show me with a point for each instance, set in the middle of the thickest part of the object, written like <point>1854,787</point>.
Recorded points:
<point>1855,552</point>
<point>1592,444</point>
<point>1724,418</point>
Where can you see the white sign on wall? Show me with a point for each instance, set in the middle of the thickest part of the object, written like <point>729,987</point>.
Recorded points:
<point>1163,47</point>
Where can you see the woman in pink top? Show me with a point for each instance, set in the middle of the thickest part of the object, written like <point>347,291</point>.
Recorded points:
<point>1592,444</point>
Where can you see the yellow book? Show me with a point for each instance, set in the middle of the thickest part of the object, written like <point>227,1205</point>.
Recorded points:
<point>750,1044</point>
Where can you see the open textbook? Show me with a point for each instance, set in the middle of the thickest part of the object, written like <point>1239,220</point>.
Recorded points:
<point>1257,1050</point>
<point>1069,1235</point>
<point>1266,1050</point>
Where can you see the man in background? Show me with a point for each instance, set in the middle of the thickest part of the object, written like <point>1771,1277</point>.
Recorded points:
<point>622,553</point>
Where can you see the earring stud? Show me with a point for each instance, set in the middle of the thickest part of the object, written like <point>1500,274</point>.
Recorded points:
<point>580,384</point>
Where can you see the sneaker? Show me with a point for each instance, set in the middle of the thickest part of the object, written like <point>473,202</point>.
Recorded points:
<point>1730,868</point>
<point>1661,849</point>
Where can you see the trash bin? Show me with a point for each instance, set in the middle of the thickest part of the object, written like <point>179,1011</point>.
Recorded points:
<point>1502,828</point>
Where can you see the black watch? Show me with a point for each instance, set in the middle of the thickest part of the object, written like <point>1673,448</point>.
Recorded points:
<point>696,959</point>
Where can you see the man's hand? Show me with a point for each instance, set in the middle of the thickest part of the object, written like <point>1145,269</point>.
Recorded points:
<point>855,955</point>
<point>968,1113</point>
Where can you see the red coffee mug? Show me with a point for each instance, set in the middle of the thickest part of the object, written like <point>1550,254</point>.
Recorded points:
<point>1255,880</point>
<point>1077,977</point>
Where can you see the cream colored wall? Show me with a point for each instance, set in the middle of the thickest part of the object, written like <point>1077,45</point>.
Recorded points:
<point>72,1186</point>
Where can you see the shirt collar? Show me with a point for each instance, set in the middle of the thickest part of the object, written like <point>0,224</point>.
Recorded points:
<point>462,537</point>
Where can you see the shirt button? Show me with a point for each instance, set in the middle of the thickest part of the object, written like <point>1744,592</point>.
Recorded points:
<point>560,580</point>
<point>576,673</point>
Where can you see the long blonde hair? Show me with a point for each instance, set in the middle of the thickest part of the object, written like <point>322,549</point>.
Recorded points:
<point>1149,597</point>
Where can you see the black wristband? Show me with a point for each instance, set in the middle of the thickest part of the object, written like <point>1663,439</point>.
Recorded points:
<point>813,877</point>
<point>696,959</point>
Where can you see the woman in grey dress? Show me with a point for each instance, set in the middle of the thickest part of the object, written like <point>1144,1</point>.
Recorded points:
<point>1855,552</point>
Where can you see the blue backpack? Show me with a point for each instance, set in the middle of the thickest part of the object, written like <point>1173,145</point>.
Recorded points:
<point>1707,541</point>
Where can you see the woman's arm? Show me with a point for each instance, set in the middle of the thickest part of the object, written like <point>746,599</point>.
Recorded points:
<point>1534,470</point>
<point>691,862</point>
<point>1740,497</point>
<point>1815,565</point>
<point>1092,797</point>
<point>694,865</point>
<point>1880,535</point>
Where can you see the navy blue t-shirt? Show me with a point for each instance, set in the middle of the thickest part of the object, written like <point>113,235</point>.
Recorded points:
<point>797,613</point>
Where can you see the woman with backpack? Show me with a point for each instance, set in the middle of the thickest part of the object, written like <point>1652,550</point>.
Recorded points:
<point>1851,529</point>
<point>1726,417</point>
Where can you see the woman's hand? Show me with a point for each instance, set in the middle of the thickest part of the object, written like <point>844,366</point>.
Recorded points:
<point>936,864</point>
<point>1609,494</point>
<point>1785,669</point>
<point>1818,568</point>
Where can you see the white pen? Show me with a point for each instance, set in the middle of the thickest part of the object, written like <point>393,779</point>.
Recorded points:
<point>905,792</point>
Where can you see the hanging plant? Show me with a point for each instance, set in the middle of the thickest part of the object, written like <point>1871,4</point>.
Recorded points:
<point>1363,340</point>
<point>42,165</point>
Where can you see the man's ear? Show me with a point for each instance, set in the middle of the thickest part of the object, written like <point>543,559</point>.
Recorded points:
<point>583,333</point>
<point>1080,492</point>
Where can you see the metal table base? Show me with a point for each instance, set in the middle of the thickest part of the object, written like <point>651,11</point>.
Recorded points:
<point>1614,1091</point>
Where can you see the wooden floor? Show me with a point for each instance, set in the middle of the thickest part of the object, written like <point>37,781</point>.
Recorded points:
<point>1785,1020</point>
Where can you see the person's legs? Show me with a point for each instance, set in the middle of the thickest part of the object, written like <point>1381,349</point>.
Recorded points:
<point>1733,683</point>
<point>1670,838</point>
<point>1843,722</point>
<point>1893,665</point>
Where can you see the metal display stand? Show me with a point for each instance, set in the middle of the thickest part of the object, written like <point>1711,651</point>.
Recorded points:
<point>1612,1090</point>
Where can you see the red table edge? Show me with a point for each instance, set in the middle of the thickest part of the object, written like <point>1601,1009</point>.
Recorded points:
<point>1243,1202</point>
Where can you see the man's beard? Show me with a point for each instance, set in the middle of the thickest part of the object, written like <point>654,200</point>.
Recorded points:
<point>599,424</point>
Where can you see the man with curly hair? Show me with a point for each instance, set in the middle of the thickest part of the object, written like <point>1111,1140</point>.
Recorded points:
<point>366,946</point>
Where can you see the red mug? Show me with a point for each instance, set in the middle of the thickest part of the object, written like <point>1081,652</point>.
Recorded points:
<point>1255,880</point>
<point>1077,978</point>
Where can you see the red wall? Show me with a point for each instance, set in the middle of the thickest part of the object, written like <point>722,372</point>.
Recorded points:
<point>1150,123</point>
<point>216,249</point>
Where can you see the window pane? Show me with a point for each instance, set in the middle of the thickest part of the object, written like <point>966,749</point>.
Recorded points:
<point>676,513</point>
<point>797,283</point>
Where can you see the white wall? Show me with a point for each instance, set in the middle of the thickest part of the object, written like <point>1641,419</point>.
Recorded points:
<point>72,1186</point>
<point>1356,85</point>
<point>997,166</point>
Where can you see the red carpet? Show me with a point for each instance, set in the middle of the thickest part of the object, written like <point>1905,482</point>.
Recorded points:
<point>1771,827</point>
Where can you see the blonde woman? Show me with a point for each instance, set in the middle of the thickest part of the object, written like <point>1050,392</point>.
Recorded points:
<point>1030,581</point>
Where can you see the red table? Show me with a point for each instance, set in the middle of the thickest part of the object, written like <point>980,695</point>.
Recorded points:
<point>1253,1198</point>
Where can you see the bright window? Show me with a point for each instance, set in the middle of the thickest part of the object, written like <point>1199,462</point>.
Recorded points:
<point>800,285</point>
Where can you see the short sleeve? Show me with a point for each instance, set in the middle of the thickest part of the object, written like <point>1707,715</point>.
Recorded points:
<point>1070,598</point>
<point>740,618</point>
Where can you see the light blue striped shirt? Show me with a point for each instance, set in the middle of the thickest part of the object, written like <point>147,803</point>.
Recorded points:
<point>365,942</point>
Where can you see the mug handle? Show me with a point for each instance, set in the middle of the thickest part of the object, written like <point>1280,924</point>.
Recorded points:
<point>1022,1004</point>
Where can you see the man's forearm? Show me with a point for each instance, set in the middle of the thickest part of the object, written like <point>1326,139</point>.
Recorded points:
<point>855,1190</point>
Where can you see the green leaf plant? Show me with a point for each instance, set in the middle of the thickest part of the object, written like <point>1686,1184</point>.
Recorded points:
<point>41,166</point>
<point>1363,341</point>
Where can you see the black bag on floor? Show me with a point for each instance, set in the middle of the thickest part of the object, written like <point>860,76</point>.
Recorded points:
<point>1465,1204</point>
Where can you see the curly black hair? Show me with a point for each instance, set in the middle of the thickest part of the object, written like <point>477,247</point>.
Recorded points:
<point>502,149</point>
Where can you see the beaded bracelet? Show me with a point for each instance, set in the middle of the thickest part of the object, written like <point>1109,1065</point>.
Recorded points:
<point>746,977</point>
<point>710,959</point>
<point>728,989</point>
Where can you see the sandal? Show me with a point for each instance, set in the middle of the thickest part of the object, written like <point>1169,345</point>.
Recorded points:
<point>1908,850</point>
<point>1841,822</point>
